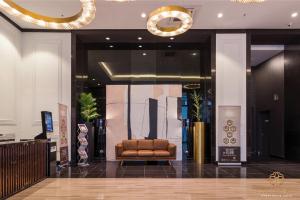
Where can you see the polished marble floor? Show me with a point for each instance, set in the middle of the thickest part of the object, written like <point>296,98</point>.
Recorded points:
<point>178,169</point>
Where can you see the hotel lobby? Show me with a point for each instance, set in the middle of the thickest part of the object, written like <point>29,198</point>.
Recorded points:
<point>149,99</point>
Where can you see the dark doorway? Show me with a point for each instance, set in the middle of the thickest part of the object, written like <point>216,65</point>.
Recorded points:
<point>263,134</point>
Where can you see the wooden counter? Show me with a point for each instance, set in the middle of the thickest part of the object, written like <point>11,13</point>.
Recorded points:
<point>22,164</point>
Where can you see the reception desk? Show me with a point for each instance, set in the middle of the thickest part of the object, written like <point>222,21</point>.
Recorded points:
<point>22,164</point>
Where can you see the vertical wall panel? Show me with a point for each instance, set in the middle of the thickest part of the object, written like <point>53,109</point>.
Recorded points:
<point>231,79</point>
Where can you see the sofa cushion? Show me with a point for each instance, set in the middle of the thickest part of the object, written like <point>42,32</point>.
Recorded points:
<point>130,153</point>
<point>145,153</point>
<point>130,144</point>
<point>145,144</point>
<point>161,153</point>
<point>160,144</point>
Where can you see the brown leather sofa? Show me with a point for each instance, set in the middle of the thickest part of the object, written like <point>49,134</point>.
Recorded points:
<point>145,150</point>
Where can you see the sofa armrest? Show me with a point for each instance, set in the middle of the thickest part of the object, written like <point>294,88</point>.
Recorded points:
<point>119,150</point>
<point>172,150</point>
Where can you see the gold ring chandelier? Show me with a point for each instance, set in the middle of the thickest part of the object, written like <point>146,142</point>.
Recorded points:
<point>183,14</point>
<point>83,17</point>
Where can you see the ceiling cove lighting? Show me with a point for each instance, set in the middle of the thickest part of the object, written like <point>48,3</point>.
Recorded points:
<point>248,1</point>
<point>165,12</point>
<point>112,76</point>
<point>82,18</point>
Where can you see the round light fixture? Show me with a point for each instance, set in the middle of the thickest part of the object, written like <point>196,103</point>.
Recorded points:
<point>248,1</point>
<point>165,12</point>
<point>83,17</point>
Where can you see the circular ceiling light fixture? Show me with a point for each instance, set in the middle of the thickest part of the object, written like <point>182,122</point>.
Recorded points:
<point>156,17</point>
<point>82,18</point>
<point>248,1</point>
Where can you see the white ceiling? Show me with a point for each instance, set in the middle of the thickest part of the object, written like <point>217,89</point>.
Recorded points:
<point>272,14</point>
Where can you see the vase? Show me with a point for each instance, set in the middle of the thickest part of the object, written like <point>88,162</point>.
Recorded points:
<point>199,142</point>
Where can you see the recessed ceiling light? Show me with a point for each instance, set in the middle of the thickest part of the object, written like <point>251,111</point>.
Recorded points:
<point>171,38</point>
<point>93,79</point>
<point>140,46</point>
<point>169,46</point>
<point>295,14</point>
<point>98,84</point>
<point>144,54</point>
<point>143,15</point>
<point>111,46</point>
<point>194,54</point>
<point>220,15</point>
<point>139,38</point>
<point>107,38</point>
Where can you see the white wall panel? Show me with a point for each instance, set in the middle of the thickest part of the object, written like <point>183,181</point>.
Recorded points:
<point>10,55</point>
<point>231,79</point>
<point>45,79</point>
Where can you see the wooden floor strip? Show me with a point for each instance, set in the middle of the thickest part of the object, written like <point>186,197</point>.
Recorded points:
<point>173,189</point>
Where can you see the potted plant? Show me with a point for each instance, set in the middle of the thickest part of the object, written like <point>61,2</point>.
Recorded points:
<point>198,130</point>
<point>88,112</point>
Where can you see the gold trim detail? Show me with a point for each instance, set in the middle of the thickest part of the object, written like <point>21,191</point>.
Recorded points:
<point>112,76</point>
<point>83,17</point>
<point>178,12</point>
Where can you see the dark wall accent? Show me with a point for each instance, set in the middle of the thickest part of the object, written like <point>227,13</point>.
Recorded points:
<point>153,109</point>
<point>292,102</point>
<point>128,113</point>
<point>268,81</point>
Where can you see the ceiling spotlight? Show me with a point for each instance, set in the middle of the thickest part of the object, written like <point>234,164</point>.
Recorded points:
<point>220,15</point>
<point>144,54</point>
<point>169,46</point>
<point>111,46</point>
<point>194,54</point>
<point>139,38</point>
<point>295,14</point>
<point>93,79</point>
<point>107,38</point>
<point>171,38</point>
<point>140,46</point>
<point>98,84</point>
<point>143,15</point>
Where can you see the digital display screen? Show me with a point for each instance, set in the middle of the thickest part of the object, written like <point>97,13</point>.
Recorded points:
<point>47,121</point>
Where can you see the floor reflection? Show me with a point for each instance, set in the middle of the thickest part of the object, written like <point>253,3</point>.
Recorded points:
<point>178,169</point>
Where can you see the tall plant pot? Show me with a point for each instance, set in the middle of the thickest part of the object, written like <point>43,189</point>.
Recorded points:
<point>199,142</point>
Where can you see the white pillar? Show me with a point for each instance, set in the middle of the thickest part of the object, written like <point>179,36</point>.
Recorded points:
<point>231,80</point>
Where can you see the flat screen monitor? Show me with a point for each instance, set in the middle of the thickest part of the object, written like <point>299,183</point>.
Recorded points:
<point>47,121</point>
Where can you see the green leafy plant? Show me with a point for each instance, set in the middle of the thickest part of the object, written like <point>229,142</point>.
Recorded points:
<point>88,108</point>
<point>196,112</point>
